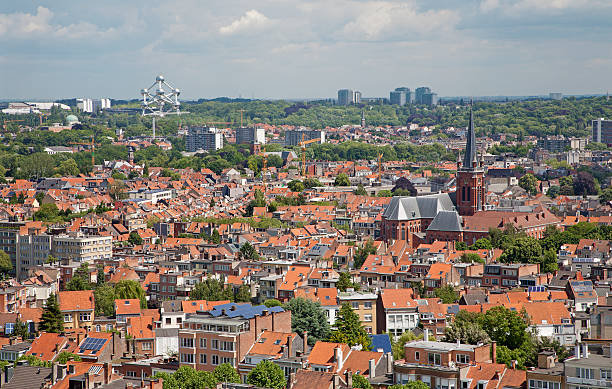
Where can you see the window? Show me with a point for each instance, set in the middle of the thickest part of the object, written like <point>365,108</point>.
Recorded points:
<point>203,359</point>
<point>355,305</point>
<point>605,374</point>
<point>67,318</point>
<point>109,327</point>
<point>433,359</point>
<point>481,384</point>
<point>186,358</point>
<point>417,355</point>
<point>465,384</point>
<point>215,359</point>
<point>130,373</point>
<point>146,346</point>
<point>98,328</point>
<point>214,344</point>
<point>583,372</point>
<point>227,346</point>
<point>187,342</point>
<point>463,358</point>
<point>367,317</point>
<point>85,316</point>
<point>367,305</point>
<point>537,384</point>
<point>202,342</point>
<point>168,320</point>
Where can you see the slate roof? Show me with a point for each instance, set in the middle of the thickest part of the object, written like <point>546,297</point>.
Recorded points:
<point>246,311</point>
<point>29,377</point>
<point>446,221</point>
<point>421,207</point>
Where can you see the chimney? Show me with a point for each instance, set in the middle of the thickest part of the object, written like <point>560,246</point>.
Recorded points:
<point>372,368</point>
<point>577,351</point>
<point>305,338</point>
<point>494,352</point>
<point>336,381</point>
<point>338,357</point>
<point>389,363</point>
<point>585,350</point>
<point>426,334</point>
<point>291,381</point>
<point>289,344</point>
<point>348,377</point>
<point>513,364</point>
<point>108,371</point>
<point>87,380</point>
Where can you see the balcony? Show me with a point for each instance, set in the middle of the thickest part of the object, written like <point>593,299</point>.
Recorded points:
<point>589,381</point>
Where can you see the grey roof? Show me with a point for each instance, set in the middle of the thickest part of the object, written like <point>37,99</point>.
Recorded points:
<point>446,221</point>
<point>166,332</point>
<point>410,208</point>
<point>18,347</point>
<point>28,377</point>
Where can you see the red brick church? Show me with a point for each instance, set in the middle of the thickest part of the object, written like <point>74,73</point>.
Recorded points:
<point>459,216</point>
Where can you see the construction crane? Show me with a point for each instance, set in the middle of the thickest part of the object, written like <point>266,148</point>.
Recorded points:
<point>265,166</point>
<point>92,146</point>
<point>303,144</point>
<point>5,126</point>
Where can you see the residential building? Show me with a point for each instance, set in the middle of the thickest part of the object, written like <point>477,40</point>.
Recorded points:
<point>602,131</point>
<point>12,352</point>
<point>125,309</point>
<point>397,311</point>
<point>364,305</point>
<point>250,135</point>
<point>12,297</point>
<point>81,248</point>
<point>152,195</point>
<point>601,321</point>
<point>348,97</point>
<point>294,137</point>
<point>203,138</point>
<point>77,308</point>
<point>226,333</point>
<point>588,370</point>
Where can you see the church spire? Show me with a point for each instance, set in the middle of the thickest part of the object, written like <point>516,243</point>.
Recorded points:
<point>469,159</point>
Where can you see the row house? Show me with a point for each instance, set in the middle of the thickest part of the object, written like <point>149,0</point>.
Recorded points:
<point>507,275</point>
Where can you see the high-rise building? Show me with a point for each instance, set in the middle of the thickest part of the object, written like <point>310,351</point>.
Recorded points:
<point>555,96</point>
<point>250,135</point>
<point>93,105</point>
<point>429,99</point>
<point>602,131</point>
<point>348,97</point>
<point>203,138</point>
<point>470,177</point>
<point>419,93</point>
<point>294,137</point>
<point>401,96</point>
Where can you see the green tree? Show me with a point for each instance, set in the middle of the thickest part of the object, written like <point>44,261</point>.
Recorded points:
<point>34,361</point>
<point>360,191</point>
<point>6,265</point>
<point>47,213</point>
<point>410,385</point>
<point>307,315</point>
<point>342,180</point>
<point>349,329</point>
<point>135,239</point>
<point>345,282</point>
<point>470,258</point>
<point>258,201</point>
<point>272,303</point>
<point>21,329</point>
<point>447,294</point>
<point>482,244</point>
<point>247,251</point>
<point>226,373</point>
<point>104,297</point>
<point>66,356</point>
<point>296,186</point>
<point>51,259</point>
<point>100,276</point>
<point>361,254</point>
<point>605,196</point>
<point>243,295</point>
<point>553,191</point>
<point>529,183</point>
<point>508,328</point>
<point>68,167</point>
<point>385,193</point>
<point>211,289</point>
<point>312,183</point>
<point>130,289</point>
<point>80,279</point>
<point>398,344</point>
<point>361,382</point>
<point>215,237</point>
<point>267,374</point>
<point>460,246</point>
<point>466,329</point>
<point>52,319</point>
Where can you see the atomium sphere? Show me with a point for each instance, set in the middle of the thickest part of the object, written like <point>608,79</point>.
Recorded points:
<point>144,91</point>
<point>177,91</point>
<point>159,78</point>
<point>160,91</point>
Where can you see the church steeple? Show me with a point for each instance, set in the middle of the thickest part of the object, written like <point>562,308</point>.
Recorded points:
<point>469,159</point>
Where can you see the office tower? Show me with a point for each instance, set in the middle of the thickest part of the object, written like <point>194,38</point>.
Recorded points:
<point>203,138</point>
<point>400,96</point>
<point>602,131</point>
<point>294,137</point>
<point>419,92</point>
<point>555,96</point>
<point>93,105</point>
<point>348,97</point>
<point>430,99</point>
<point>250,135</point>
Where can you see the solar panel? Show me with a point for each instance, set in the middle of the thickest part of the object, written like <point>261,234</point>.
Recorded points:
<point>537,288</point>
<point>93,344</point>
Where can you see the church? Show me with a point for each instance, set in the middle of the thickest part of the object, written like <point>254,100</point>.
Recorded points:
<point>458,216</point>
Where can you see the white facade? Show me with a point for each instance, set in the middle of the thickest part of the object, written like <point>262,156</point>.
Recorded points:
<point>93,105</point>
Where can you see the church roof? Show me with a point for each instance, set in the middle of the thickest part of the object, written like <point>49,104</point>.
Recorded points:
<point>470,148</point>
<point>421,207</point>
<point>446,221</point>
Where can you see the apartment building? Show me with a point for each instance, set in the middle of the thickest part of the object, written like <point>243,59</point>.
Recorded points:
<point>80,248</point>
<point>77,308</point>
<point>438,364</point>
<point>587,370</point>
<point>397,311</point>
<point>364,305</point>
<point>226,333</point>
<point>507,275</point>
<point>12,298</point>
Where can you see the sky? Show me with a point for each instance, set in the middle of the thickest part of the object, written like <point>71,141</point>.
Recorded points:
<point>274,49</point>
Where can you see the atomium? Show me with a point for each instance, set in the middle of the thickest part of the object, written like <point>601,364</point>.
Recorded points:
<point>160,99</point>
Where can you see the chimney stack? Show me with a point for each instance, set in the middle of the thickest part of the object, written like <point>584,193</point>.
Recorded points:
<point>426,334</point>
<point>108,371</point>
<point>372,368</point>
<point>291,381</point>
<point>289,344</point>
<point>494,351</point>
<point>336,381</point>
<point>305,338</point>
<point>577,351</point>
<point>338,357</point>
<point>348,376</point>
<point>389,363</point>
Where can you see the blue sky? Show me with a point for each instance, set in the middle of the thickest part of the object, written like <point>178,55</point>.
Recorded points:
<point>304,48</point>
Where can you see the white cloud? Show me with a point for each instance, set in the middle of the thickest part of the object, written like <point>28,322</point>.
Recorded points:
<point>389,20</point>
<point>488,5</point>
<point>519,6</point>
<point>25,25</point>
<point>250,21</point>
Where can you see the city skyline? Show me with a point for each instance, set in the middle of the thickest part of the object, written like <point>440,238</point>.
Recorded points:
<point>276,50</point>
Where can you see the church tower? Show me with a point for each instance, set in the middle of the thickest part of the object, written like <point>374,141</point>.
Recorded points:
<point>470,177</point>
